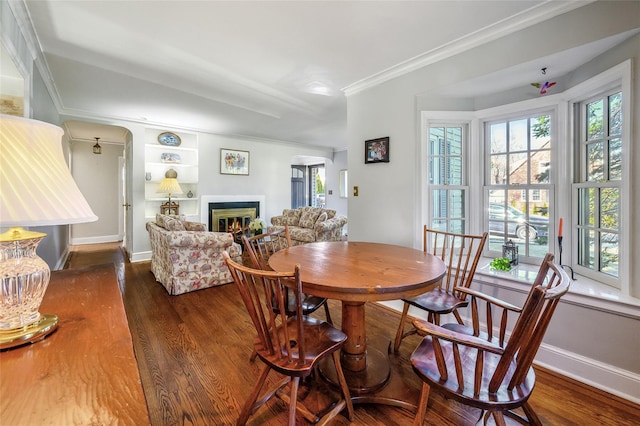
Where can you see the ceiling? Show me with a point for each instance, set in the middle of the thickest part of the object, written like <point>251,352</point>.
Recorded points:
<point>259,69</point>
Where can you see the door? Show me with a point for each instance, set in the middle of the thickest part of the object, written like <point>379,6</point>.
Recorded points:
<point>297,186</point>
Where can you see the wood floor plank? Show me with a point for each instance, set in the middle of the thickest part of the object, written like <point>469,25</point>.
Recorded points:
<point>193,355</point>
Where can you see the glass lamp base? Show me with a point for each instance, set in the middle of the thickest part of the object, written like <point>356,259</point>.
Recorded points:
<point>46,325</point>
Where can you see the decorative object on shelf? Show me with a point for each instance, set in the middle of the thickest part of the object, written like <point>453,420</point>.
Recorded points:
<point>169,185</point>
<point>257,225</point>
<point>169,139</point>
<point>376,150</point>
<point>190,194</point>
<point>510,251</point>
<point>36,189</point>
<point>97,149</point>
<point>234,162</point>
<point>500,264</point>
<point>147,176</point>
<point>169,208</point>
<point>170,157</point>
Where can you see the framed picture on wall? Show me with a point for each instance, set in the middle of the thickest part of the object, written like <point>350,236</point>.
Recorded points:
<point>234,162</point>
<point>376,150</point>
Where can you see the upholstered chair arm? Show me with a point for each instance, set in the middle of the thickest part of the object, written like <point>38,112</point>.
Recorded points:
<point>330,224</point>
<point>194,226</point>
<point>198,239</point>
<point>278,220</point>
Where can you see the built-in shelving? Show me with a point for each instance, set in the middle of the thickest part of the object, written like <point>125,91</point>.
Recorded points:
<point>160,158</point>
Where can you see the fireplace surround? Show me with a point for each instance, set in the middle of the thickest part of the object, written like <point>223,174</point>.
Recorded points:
<point>220,212</point>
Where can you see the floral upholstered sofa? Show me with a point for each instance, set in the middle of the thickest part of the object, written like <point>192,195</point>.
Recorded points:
<point>186,257</point>
<point>310,224</point>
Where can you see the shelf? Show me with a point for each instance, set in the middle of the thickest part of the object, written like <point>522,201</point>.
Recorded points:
<point>186,167</point>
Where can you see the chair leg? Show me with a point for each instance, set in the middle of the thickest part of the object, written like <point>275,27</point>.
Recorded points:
<point>327,314</point>
<point>293,402</point>
<point>458,317</point>
<point>343,384</point>
<point>531,415</point>
<point>249,405</point>
<point>400,332</point>
<point>422,405</point>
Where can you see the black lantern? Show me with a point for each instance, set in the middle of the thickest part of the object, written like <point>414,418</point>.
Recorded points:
<point>510,251</point>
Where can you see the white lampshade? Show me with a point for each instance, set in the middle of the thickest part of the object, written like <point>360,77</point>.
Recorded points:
<point>36,187</point>
<point>169,186</point>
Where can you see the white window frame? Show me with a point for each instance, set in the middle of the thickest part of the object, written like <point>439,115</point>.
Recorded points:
<point>546,105</point>
<point>445,119</point>
<point>595,291</point>
<point>618,77</point>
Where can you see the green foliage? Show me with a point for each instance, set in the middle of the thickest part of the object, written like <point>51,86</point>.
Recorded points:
<point>501,264</point>
<point>319,184</point>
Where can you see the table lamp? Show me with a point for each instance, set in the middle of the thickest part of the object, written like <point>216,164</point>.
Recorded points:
<point>36,189</point>
<point>169,185</point>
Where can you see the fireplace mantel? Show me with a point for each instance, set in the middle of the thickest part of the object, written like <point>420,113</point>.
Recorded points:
<point>206,199</point>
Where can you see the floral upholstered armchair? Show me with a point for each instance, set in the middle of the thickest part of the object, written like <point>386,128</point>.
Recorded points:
<point>186,257</point>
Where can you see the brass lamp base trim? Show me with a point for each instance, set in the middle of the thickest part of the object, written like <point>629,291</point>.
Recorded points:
<point>46,325</point>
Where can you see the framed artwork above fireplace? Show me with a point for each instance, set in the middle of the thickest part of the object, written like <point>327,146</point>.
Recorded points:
<point>234,162</point>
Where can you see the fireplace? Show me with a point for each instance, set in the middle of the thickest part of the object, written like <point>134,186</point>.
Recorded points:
<point>232,217</point>
<point>231,213</point>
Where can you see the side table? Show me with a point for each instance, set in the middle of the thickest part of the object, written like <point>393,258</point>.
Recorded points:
<point>83,373</point>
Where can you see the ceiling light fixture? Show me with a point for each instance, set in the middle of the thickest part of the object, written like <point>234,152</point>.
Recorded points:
<point>97,149</point>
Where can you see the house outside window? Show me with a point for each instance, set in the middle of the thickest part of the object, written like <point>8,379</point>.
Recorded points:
<point>519,183</point>
<point>447,177</point>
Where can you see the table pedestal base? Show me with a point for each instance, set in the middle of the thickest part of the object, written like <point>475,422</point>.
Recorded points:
<point>376,384</point>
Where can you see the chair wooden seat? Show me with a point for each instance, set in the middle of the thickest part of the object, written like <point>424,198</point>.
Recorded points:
<point>288,342</point>
<point>438,301</point>
<point>473,365</point>
<point>461,254</point>
<point>319,339</point>
<point>503,399</point>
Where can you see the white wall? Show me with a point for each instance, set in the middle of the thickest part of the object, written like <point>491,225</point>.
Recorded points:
<point>590,344</point>
<point>97,179</point>
<point>332,177</point>
<point>269,170</point>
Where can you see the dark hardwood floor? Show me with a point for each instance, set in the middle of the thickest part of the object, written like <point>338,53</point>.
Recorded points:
<point>193,354</point>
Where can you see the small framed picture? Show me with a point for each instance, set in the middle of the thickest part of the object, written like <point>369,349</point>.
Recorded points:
<point>165,208</point>
<point>376,150</point>
<point>234,162</point>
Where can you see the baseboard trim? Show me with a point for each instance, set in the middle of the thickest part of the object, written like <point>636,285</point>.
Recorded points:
<point>606,377</point>
<point>142,256</point>
<point>95,240</point>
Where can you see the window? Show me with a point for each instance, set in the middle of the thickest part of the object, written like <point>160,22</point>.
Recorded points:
<point>518,183</point>
<point>447,177</point>
<point>598,191</point>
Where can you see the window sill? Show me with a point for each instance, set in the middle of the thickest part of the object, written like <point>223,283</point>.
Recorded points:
<point>584,291</point>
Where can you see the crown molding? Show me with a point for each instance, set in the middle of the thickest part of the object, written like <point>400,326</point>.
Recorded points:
<point>524,19</point>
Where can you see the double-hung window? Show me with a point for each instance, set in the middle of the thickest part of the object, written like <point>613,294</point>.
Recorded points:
<point>447,177</point>
<point>518,182</point>
<point>598,189</point>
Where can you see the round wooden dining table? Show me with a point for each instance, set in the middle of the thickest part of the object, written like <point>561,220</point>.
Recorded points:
<point>356,273</point>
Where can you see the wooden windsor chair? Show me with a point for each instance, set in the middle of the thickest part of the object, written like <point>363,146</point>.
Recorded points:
<point>461,254</point>
<point>289,345</point>
<point>472,366</point>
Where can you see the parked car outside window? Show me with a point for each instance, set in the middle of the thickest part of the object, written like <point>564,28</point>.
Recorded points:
<point>517,225</point>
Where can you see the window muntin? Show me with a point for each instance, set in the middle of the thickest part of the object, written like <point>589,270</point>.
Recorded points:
<point>519,183</point>
<point>447,177</point>
<point>599,186</point>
